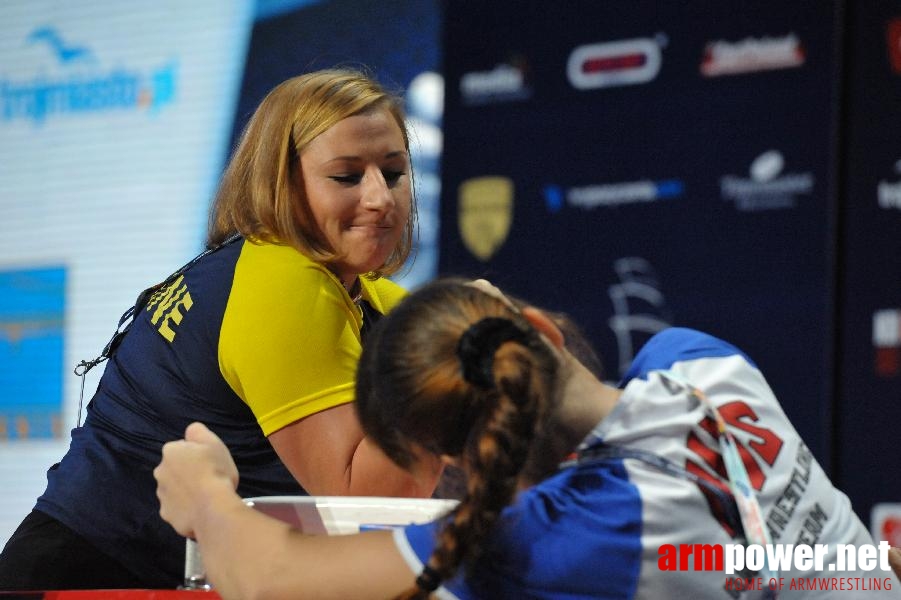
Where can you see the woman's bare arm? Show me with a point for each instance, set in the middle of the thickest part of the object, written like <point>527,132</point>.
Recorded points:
<point>328,454</point>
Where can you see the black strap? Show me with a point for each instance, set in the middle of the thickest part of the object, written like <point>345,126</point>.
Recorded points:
<point>429,579</point>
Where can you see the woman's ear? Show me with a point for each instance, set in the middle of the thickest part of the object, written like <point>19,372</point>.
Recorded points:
<point>544,324</point>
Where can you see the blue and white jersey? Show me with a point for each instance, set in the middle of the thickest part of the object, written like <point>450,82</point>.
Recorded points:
<point>595,530</point>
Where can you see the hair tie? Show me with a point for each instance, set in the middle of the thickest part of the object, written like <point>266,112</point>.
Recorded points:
<point>429,579</point>
<point>479,343</point>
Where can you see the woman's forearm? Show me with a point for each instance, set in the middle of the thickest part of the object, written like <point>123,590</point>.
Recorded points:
<point>241,549</point>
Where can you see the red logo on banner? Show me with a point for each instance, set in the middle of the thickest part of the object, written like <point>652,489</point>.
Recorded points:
<point>885,522</point>
<point>891,530</point>
<point>887,342</point>
<point>608,64</point>
<point>893,38</point>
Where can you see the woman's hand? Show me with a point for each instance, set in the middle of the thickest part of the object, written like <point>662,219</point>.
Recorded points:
<point>194,473</point>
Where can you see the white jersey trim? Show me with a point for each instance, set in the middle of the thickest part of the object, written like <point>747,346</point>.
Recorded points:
<point>412,560</point>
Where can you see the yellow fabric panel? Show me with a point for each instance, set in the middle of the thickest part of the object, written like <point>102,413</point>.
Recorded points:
<point>290,337</point>
<point>382,294</point>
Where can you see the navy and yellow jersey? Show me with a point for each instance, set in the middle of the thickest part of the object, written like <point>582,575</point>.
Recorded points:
<point>249,339</point>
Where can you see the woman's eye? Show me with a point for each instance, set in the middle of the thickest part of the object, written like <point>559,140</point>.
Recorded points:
<point>392,177</point>
<point>346,179</point>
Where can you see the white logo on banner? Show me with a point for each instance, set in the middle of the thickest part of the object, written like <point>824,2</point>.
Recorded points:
<point>889,193</point>
<point>503,83</point>
<point>752,54</point>
<point>767,188</point>
<point>639,307</point>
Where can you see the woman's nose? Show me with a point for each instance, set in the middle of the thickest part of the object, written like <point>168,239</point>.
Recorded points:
<point>376,193</point>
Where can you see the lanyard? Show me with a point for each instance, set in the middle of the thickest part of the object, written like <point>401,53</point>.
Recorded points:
<point>739,482</point>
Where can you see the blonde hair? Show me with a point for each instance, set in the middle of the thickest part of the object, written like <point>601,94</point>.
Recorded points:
<point>259,195</point>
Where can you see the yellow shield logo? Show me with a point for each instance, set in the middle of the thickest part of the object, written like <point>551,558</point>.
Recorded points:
<point>484,214</point>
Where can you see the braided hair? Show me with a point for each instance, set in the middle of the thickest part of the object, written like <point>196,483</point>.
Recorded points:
<point>457,371</point>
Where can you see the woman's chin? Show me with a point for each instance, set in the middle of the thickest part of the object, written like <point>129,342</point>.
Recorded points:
<point>369,265</point>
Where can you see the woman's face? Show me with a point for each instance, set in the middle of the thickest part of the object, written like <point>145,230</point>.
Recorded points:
<point>356,176</point>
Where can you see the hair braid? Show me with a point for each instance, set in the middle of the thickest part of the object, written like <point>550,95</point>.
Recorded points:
<point>496,452</point>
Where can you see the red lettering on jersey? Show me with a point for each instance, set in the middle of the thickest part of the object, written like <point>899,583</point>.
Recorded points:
<point>769,444</point>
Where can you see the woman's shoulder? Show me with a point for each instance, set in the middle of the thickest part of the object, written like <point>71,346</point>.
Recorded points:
<point>677,344</point>
<point>274,265</point>
<point>382,293</point>
<point>276,255</point>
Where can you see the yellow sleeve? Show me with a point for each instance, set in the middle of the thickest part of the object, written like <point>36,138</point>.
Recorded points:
<point>383,294</point>
<point>290,336</point>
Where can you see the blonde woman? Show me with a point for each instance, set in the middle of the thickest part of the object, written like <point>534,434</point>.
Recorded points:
<point>258,337</point>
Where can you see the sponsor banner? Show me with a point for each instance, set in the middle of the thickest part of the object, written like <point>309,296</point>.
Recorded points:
<point>885,522</point>
<point>893,44</point>
<point>73,80</point>
<point>620,62</point>
<point>766,187</point>
<point>752,54</point>
<point>887,342</point>
<point>485,211</point>
<point>603,195</point>
<point>506,82</point>
<point>888,191</point>
<point>32,320</point>
<point>127,110</point>
<point>639,307</point>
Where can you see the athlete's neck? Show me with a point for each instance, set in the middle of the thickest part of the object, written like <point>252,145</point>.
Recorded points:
<point>582,402</point>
